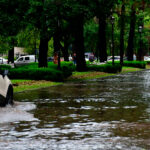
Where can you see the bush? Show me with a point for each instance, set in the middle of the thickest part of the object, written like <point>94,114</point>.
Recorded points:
<point>5,67</point>
<point>137,64</point>
<point>36,74</point>
<point>69,65</point>
<point>51,65</point>
<point>31,71</point>
<point>109,68</point>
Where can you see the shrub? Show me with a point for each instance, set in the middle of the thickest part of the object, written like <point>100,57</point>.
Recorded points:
<point>109,68</point>
<point>69,65</point>
<point>51,65</point>
<point>5,67</point>
<point>36,74</point>
<point>31,71</point>
<point>137,64</point>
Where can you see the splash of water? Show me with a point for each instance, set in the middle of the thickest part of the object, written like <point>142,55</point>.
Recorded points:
<point>18,112</point>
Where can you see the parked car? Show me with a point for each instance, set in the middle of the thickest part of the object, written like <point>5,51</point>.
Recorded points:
<point>3,60</point>
<point>6,89</point>
<point>89,56</point>
<point>116,58</point>
<point>24,60</point>
<point>50,59</point>
<point>146,58</point>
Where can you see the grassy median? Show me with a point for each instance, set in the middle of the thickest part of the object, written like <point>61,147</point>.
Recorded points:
<point>23,85</point>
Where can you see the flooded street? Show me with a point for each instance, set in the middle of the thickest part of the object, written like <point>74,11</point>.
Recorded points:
<point>110,113</point>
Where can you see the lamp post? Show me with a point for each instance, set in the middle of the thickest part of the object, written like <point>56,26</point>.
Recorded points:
<point>58,40</point>
<point>112,36</point>
<point>140,28</point>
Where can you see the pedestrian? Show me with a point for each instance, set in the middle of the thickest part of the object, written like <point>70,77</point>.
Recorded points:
<point>74,58</point>
<point>55,58</point>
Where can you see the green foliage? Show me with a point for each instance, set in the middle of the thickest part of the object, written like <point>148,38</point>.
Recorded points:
<point>33,18</point>
<point>12,16</point>
<point>36,74</point>
<point>31,71</point>
<point>28,38</point>
<point>5,44</point>
<point>69,65</point>
<point>91,35</point>
<point>137,64</point>
<point>5,67</point>
<point>109,68</point>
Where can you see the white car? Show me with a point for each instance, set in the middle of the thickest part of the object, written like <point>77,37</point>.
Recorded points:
<point>89,56</point>
<point>24,60</point>
<point>6,89</point>
<point>116,58</point>
<point>3,60</point>
<point>146,58</point>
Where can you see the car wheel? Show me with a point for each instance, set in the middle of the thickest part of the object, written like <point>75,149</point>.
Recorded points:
<point>9,97</point>
<point>2,101</point>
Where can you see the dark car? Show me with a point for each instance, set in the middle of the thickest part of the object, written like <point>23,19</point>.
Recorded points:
<point>50,59</point>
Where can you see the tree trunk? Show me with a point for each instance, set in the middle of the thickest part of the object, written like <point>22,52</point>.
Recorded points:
<point>44,38</point>
<point>79,42</point>
<point>11,52</point>
<point>11,56</point>
<point>57,47</point>
<point>65,50</point>
<point>43,49</point>
<point>140,54</point>
<point>122,34</point>
<point>102,39</point>
<point>131,35</point>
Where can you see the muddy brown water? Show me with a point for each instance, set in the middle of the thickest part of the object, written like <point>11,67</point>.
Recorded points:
<point>112,113</point>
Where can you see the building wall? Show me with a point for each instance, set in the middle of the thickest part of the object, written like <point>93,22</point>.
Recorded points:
<point>19,51</point>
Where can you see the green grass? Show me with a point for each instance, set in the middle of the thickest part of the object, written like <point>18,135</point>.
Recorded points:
<point>130,69</point>
<point>24,85</point>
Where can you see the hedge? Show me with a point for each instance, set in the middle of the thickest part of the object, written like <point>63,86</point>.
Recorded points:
<point>31,71</point>
<point>137,64</point>
<point>51,65</point>
<point>109,68</point>
<point>36,74</point>
<point>5,67</point>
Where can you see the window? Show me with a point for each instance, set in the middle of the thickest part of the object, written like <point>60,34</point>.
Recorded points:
<point>27,58</point>
<point>21,59</point>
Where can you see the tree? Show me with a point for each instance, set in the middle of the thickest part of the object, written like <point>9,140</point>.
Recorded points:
<point>122,28</point>
<point>29,39</point>
<point>103,11</point>
<point>40,14</point>
<point>76,13</point>
<point>11,21</point>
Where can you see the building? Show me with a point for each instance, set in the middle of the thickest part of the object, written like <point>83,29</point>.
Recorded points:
<point>19,51</point>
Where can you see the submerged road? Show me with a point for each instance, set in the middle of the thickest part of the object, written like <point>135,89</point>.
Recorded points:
<point>110,113</point>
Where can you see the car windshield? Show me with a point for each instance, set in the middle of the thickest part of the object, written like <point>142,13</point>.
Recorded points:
<point>20,59</point>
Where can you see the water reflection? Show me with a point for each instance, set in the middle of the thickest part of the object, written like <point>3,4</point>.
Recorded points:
<point>103,114</point>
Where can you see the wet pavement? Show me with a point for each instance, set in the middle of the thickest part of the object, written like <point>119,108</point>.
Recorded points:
<point>110,113</point>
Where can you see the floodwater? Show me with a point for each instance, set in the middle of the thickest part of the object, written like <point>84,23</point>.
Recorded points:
<point>112,113</point>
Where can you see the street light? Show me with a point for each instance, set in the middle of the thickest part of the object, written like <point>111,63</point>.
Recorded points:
<point>112,19</point>
<point>140,28</point>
